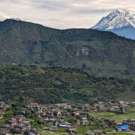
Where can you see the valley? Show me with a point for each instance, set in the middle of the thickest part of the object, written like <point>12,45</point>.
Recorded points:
<point>51,101</point>
<point>73,81</point>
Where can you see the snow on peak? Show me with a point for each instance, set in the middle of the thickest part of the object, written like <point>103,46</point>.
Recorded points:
<point>116,19</point>
<point>123,12</point>
<point>2,18</point>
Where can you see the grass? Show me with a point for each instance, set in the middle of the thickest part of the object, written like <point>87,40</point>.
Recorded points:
<point>6,116</point>
<point>119,134</point>
<point>113,116</point>
<point>52,133</point>
<point>82,130</point>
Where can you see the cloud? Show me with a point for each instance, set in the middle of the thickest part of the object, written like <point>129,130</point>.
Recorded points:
<point>62,13</point>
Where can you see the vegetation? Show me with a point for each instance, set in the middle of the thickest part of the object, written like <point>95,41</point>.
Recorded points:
<point>130,114</point>
<point>53,133</point>
<point>51,85</point>
<point>117,117</point>
<point>119,133</point>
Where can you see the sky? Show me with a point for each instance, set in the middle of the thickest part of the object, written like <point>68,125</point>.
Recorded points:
<point>62,13</point>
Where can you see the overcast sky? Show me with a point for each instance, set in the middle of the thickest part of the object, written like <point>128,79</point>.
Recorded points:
<point>62,13</point>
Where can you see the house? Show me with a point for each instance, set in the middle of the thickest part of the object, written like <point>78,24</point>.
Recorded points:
<point>122,127</point>
<point>89,132</point>
<point>31,132</point>
<point>95,132</point>
<point>84,121</point>
<point>53,128</point>
<point>65,125</point>
<point>4,130</point>
<point>99,132</point>
<point>72,131</point>
<point>131,124</point>
<point>102,107</point>
<point>17,124</point>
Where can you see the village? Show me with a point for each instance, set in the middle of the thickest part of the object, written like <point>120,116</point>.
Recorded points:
<point>67,119</point>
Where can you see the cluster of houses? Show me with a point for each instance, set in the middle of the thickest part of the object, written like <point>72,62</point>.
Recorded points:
<point>57,116</point>
<point>67,116</point>
<point>18,125</point>
<point>126,125</point>
<point>112,106</point>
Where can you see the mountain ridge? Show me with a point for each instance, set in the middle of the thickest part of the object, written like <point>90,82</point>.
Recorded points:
<point>116,21</point>
<point>73,65</point>
<point>95,52</point>
<point>118,18</point>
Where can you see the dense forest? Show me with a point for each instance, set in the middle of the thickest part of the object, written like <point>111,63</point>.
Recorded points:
<point>53,85</point>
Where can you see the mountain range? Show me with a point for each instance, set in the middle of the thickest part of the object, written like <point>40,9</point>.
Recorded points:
<point>120,22</point>
<point>96,52</point>
<point>51,65</point>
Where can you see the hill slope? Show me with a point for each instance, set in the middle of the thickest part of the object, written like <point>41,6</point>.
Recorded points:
<point>55,85</point>
<point>97,53</point>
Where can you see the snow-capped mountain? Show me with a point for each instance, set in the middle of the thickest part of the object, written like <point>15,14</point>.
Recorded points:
<point>119,21</point>
<point>2,18</point>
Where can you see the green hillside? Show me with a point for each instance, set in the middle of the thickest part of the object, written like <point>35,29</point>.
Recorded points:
<point>51,85</point>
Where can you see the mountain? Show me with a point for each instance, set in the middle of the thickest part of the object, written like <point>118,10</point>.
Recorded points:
<point>119,21</point>
<point>52,66</point>
<point>3,17</point>
<point>100,54</point>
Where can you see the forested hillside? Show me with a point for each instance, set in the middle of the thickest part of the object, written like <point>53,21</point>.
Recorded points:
<point>51,85</point>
